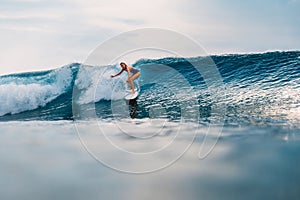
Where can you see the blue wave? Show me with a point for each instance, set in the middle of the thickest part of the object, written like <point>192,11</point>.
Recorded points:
<point>260,89</point>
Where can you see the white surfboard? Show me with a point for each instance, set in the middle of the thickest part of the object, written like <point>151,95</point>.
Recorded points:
<point>129,96</point>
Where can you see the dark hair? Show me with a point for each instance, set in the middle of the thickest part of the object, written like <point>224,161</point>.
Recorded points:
<point>123,63</point>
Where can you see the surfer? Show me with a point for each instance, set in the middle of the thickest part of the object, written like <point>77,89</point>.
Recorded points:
<point>131,77</point>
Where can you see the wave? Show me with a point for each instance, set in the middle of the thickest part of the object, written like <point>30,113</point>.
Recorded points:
<point>259,88</point>
<point>29,91</point>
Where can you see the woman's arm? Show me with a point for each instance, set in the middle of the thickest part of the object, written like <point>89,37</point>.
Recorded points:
<point>117,74</point>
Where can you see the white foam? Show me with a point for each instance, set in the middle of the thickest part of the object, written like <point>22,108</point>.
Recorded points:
<point>15,98</point>
<point>95,84</point>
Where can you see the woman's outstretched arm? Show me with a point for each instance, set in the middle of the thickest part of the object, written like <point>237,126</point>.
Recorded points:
<point>117,74</point>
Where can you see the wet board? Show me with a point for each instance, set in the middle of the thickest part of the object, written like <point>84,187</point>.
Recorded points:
<point>129,96</point>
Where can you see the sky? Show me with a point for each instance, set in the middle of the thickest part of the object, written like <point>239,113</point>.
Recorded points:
<point>46,34</point>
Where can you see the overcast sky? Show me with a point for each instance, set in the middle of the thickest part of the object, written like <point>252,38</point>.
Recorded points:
<point>43,34</point>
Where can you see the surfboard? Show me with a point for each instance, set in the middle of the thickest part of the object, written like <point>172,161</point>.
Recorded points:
<point>129,96</point>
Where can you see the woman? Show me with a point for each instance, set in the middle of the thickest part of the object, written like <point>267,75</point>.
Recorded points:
<point>131,77</point>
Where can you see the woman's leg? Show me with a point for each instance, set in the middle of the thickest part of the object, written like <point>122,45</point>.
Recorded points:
<point>131,79</point>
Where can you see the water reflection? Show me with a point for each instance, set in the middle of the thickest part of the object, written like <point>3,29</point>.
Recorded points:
<point>133,107</point>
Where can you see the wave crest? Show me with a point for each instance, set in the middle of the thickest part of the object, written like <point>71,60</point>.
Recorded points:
<point>31,91</point>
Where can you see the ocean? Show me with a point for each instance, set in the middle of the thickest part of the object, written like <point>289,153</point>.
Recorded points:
<point>207,127</point>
